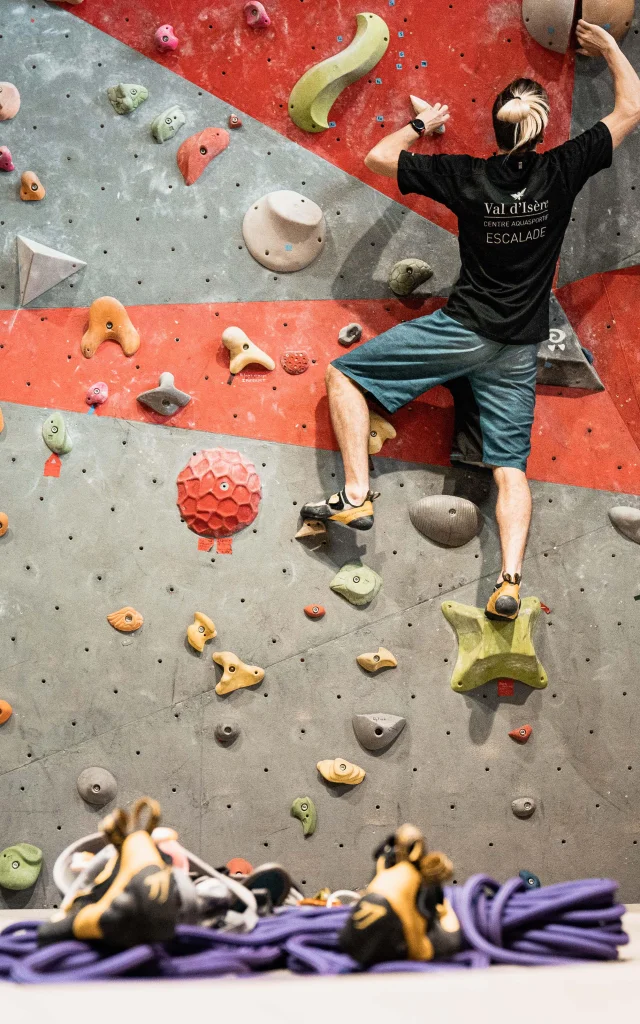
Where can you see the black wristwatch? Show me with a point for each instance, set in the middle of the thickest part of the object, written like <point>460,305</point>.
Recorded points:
<point>418,126</point>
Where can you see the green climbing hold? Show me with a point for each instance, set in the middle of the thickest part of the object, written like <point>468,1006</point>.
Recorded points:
<point>357,583</point>
<point>55,434</point>
<point>125,98</point>
<point>167,124</point>
<point>494,650</point>
<point>316,91</point>
<point>20,866</point>
<point>407,275</point>
<point>304,809</point>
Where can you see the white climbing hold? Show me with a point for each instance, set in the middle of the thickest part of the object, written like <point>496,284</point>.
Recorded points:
<point>41,268</point>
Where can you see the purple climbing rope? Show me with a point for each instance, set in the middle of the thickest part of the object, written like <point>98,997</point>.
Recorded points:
<point>508,924</point>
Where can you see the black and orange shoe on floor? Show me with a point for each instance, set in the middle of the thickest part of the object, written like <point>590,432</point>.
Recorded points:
<point>338,509</point>
<point>504,603</point>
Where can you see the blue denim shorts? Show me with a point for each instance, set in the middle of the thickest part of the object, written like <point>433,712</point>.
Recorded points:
<point>404,362</point>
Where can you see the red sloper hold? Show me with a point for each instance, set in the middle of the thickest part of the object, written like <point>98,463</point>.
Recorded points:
<point>197,152</point>
<point>522,734</point>
<point>218,493</point>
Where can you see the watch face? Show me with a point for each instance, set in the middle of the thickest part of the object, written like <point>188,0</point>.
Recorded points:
<point>418,123</point>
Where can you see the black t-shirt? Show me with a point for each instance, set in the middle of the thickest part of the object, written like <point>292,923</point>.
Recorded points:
<point>512,215</point>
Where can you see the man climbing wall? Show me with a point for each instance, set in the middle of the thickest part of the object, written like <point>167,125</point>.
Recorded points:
<point>513,210</point>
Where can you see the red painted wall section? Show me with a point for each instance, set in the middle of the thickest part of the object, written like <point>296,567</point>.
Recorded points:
<point>578,439</point>
<point>473,48</point>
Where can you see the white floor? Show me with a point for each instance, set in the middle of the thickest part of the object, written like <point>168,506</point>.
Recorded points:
<point>517,995</point>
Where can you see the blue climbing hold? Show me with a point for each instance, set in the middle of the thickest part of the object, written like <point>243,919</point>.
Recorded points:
<point>530,880</point>
<point>588,355</point>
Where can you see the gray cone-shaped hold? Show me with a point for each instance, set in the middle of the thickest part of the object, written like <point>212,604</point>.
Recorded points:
<point>523,806</point>
<point>561,360</point>
<point>446,519</point>
<point>627,520</point>
<point>227,732</point>
<point>166,398</point>
<point>407,275</point>
<point>97,786</point>
<point>377,730</point>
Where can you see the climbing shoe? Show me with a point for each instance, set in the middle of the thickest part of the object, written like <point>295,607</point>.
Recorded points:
<point>338,509</point>
<point>504,603</point>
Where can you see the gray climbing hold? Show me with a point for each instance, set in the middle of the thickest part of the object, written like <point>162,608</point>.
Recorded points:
<point>407,275</point>
<point>97,786</point>
<point>627,520</point>
<point>166,398</point>
<point>446,519</point>
<point>350,334</point>
<point>166,125</point>
<point>357,583</point>
<point>125,98</point>
<point>41,268</point>
<point>562,362</point>
<point>523,806</point>
<point>227,732</point>
<point>378,730</point>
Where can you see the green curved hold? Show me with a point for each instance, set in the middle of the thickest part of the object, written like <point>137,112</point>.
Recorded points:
<point>489,649</point>
<point>125,98</point>
<point>304,809</point>
<point>54,433</point>
<point>20,866</point>
<point>314,94</point>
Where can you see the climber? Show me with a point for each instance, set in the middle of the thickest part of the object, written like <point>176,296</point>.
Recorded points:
<point>513,210</point>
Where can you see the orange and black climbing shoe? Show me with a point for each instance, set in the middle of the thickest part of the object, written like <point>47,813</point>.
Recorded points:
<point>504,603</point>
<point>338,509</point>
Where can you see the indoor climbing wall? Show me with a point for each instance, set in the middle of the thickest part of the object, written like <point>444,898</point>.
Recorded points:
<point>99,529</point>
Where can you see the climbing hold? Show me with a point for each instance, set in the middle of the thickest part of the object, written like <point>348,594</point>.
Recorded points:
<point>561,359</point>
<point>6,711</point>
<point>243,351</point>
<point>6,163</point>
<point>313,528</point>
<point>4,523</point>
<point>490,649</point>
<point>316,91</point>
<point>238,867</point>
<point>350,334</point>
<point>227,732</point>
<point>304,809</point>
<point>627,521</point>
<point>236,674</point>
<point>218,492</point>
<point>125,98</point>
<point>31,188</point>
<point>382,658</point>
<point>200,630</point>
<point>197,152</point>
<point>530,880</point>
<point>20,866</point>
<point>109,321</point>
<point>165,39</point>
<point>614,15</point>
<point>549,22</point>
<point>97,786</point>
<point>41,268</point>
<point>167,124</point>
<point>9,101</point>
<point>255,15</point>
<point>340,770</point>
<point>378,730</point>
<point>166,398</point>
<point>522,734</point>
<point>523,807</point>
<point>407,275</point>
<point>314,611</point>
<point>284,231</point>
<point>234,121</point>
<point>97,394</point>
<point>294,362</point>
<point>446,519</point>
<point>380,430</point>
<point>126,619</point>
<point>357,583</point>
<point>54,433</point>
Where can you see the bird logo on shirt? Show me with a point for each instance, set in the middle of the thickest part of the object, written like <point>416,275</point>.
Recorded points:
<point>518,195</point>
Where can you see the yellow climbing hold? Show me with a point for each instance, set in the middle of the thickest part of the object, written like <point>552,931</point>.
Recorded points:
<point>380,430</point>
<point>382,658</point>
<point>236,674</point>
<point>314,94</point>
<point>243,351</point>
<point>200,630</point>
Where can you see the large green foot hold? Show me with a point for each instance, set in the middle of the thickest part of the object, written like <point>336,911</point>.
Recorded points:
<point>494,650</point>
<point>20,866</point>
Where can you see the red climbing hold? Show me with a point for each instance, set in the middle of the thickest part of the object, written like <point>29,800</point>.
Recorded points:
<point>234,121</point>
<point>218,492</point>
<point>545,608</point>
<point>522,734</point>
<point>52,466</point>
<point>505,687</point>
<point>314,611</point>
<point>198,151</point>
<point>295,362</point>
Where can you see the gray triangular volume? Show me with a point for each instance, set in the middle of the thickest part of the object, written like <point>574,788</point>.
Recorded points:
<point>561,360</point>
<point>41,268</point>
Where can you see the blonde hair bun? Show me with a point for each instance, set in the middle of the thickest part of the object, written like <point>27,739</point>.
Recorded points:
<point>514,110</point>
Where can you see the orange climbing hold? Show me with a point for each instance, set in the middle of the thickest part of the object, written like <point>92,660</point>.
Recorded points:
<point>239,866</point>
<point>109,321</point>
<point>6,711</point>
<point>314,611</point>
<point>197,152</point>
<point>4,523</point>
<point>31,188</point>
<point>522,734</point>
